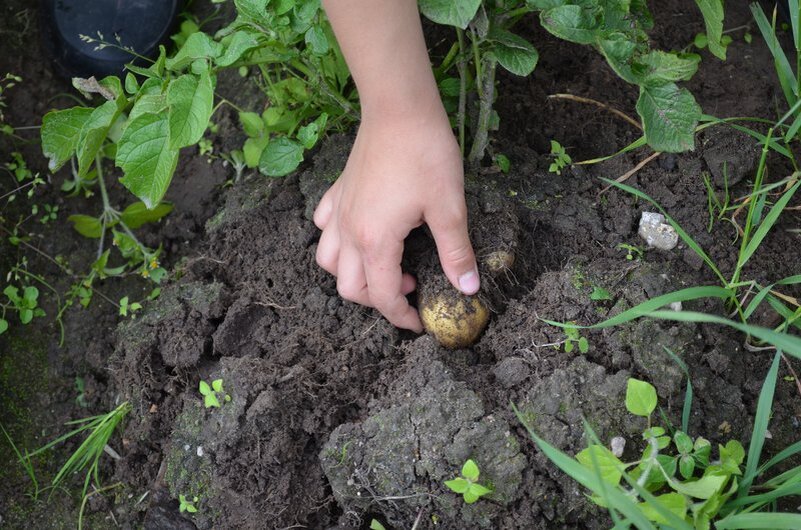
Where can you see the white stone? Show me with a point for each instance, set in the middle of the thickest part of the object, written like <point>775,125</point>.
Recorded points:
<point>199,450</point>
<point>675,306</point>
<point>656,232</point>
<point>618,443</point>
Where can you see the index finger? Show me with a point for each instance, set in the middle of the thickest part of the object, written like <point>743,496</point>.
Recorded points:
<point>382,269</point>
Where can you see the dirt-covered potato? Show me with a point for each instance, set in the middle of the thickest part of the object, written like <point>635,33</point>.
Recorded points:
<point>455,320</point>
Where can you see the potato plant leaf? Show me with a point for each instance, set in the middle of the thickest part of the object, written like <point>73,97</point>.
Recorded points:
<point>239,43</point>
<point>86,225</point>
<point>514,53</point>
<point>640,397</point>
<point>198,46</point>
<point>93,133</point>
<point>676,503</point>
<point>60,130</point>
<point>663,67</point>
<point>144,154</point>
<point>281,157</point>
<point>600,460</point>
<point>191,101</point>
<point>712,10</point>
<point>137,214</point>
<point>571,23</point>
<point>456,13</point>
<point>669,116</point>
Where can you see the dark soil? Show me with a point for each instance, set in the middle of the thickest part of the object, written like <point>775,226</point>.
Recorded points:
<point>336,417</point>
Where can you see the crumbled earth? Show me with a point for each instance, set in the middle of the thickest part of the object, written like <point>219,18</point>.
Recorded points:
<point>335,417</point>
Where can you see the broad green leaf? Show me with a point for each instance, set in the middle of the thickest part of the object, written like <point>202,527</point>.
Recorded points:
<point>144,154</point>
<point>375,525</point>
<point>316,40</point>
<point>131,83</point>
<point>251,123</point>
<point>3,325</point>
<point>669,116</point>
<point>470,497</point>
<point>618,50</point>
<point>545,4</point>
<point>684,443</point>
<point>86,225</point>
<point>25,316</point>
<point>571,23</point>
<point>204,388</point>
<point>253,149</point>
<point>674,502</point>
<point>252,10</point>
<point>640,397</point>
<point>686,466</point>
<point>662,67</point>
<point>470,470</point>
<point>210,400</point>
<point>309,134</point>
<point>148,104</point>
<point>281,157</point>
<point>137,214</point>
<point>457,485</point>
<point>456,13</point>
<point>480,490</point>
<point>191,100</point>
<point>712,10</point>
<point>703,488</point>
<point>602,461</point>
<point>514,53</point>
<point>93,133</point>
<point>30,294</point>
<point>217,385</point>
<point>60,130</point>
<point>236,45</point>
<point>197,46</point>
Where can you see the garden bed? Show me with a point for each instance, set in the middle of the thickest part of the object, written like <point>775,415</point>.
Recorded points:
<point>336,417</point>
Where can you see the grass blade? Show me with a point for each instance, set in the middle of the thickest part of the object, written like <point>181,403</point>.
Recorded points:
<point>783,455</point>
<point>761,419</point>
<point>688,394</point>
<point>757,521</point>
<point>783,69</point>
<point>766,225</point>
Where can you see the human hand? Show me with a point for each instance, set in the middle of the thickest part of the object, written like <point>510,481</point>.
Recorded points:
<point>401,173</point>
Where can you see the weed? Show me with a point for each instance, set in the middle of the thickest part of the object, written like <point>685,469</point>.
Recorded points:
<point>187,505</point>
<point>211,394</point>
<point>560,158</point>
<point>467,484</point>
<point>573,338</point>
<point>376,525</point>
<point>26,464</point>
<point>600,294</point>
<point>633,252</point>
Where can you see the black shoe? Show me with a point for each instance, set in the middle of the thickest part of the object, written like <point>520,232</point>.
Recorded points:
<point>138,24</point>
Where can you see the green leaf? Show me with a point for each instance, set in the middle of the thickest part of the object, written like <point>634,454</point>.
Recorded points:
<point>146,158</point>
<point>93,133</point>
<point>375,525</point>
<point>470,470</point>
<point>148,104</point>
<point>236,45</point>
<point>456,13</point>
<point>137,214</point>
<point>197,46</point>
<point>703,488</point>
<point>190,508</point>
<point>669,116</point>
<point>514,53</point>
<point>3,325</point>
<point>86,225</point>
<point>252,150</point>
<point>662,67</point>
<point>60,130</point>
<point>712,10</point>
<point>281,157</point>
<point>479,490</point>
<point>700,41</point>
<point>25,315</point>
<point>191,100</point>
<point>599,293</point>
<point>457,485</point>
<point>583,345</point>
<point>758,521</point>
<point>217,385</point>
<point>210,400</point>
<point>204,388</point>
<point>309,134</point>
<point>673,502</point>
<point>602,461</point>
<point>640,397</point>
<point>317,41</point>
<point>571,23</point>
<point>470,497</point>
<point>30,294</point>
<point>683,442</point>
<point>686,466</point>
<point>252,123</point>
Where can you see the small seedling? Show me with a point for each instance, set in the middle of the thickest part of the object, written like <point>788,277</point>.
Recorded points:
<point>375,525</point>
<point>599,294</point>
<point>126,306</point>
<point>467,484</point>
<point>573,338</point>
<point>212,393</point>
<point>560,158</point>
<point>503,163</point>
<point>632,251</point>
<point>186,504</point>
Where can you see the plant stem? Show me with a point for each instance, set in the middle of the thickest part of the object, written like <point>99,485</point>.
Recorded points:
<point>486,97</point>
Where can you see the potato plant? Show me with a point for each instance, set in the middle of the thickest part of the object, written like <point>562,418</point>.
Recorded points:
<point>616,28</point>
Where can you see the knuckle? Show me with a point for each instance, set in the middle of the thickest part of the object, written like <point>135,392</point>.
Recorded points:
<point>348,291</point>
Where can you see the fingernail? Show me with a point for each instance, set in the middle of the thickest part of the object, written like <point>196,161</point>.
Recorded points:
<point>469,283</point>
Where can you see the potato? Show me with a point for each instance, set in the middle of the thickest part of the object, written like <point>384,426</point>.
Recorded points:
<point>499,261</point>
<point>455,320</point>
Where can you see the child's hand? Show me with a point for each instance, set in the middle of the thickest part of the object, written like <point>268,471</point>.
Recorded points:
<point>401,173</point>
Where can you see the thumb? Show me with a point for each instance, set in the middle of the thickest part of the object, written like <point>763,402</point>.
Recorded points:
<point>455,251</point>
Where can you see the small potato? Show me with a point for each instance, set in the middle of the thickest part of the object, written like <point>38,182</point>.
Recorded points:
<point>455,320</point>
<point>499,261</point>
